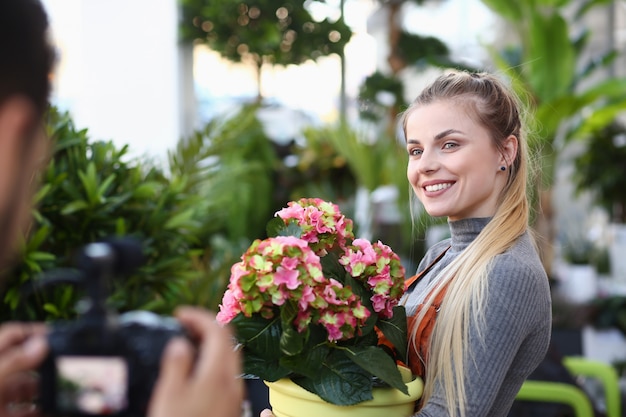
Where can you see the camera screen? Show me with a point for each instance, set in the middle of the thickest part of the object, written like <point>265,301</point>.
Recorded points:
<point>91,384</point>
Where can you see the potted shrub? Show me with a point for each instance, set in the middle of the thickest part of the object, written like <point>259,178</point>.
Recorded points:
<point>579,285</point>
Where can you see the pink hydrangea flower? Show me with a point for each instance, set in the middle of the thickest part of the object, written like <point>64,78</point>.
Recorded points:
<point>380,268</point>
<point>287,270</point>
<point>323,225</point>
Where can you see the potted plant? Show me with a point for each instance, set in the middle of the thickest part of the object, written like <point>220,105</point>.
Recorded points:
<point>309,304</point>
<point>579,283</point>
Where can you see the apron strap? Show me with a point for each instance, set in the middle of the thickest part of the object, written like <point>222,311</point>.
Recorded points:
<point>411,281</point>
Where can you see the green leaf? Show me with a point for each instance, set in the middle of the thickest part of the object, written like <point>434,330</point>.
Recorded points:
<point>339,381</point>
<point>51,308</point>
<point>89,179</point>
<point>551,114</point>
<point>511,10</point>
<point>375,360</point>
<point>104,187</point>
<point>259,335</point>
<point>13,297</point>
<point>598,120</point>
<point>277,227</point>
<point>308,362</point>
<point>41,256</point>
<point>180,219</point>
<point>147,190</point>
<point>600,62</point>
<point>73,207</point>
<point>333,269</point>
<point>41,193</point>
<point>588,5</point>
<point>267,370</point>
<point>395,330</point>
<point>291,342</point>
<point>120,227</point>
<point>37,238</point>
<point>550,55</point>
<point>552,3</point>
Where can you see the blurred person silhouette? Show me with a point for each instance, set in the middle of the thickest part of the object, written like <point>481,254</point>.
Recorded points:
<point>192,382</point>
<point>479,309</point>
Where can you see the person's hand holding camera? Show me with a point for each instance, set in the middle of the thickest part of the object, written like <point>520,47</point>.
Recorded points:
<point>22,348</point>
<point>203,383</point>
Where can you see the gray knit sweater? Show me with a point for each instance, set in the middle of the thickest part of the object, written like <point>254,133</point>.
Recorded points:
<point>518,318</point>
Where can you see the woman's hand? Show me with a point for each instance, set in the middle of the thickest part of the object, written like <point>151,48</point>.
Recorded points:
<point>267,413</point>
<point>209,387</point>
<point>22,348</point>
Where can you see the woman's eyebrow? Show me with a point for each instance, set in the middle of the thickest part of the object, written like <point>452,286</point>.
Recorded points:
<point>437,137</point>
<point>446,133</point>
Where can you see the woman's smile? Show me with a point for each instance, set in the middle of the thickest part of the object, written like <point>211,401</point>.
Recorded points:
<point>439,186</point>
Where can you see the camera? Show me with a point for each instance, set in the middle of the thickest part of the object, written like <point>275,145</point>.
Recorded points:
<point>104,363</point>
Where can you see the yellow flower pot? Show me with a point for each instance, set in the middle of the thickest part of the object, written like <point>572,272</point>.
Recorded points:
<point>290,400</point>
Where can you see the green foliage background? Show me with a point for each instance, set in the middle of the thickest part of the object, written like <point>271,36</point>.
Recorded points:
<point>93,190</point>
<point>194,219</point>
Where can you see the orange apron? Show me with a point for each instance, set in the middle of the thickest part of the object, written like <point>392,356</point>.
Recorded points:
<point>418,352</point>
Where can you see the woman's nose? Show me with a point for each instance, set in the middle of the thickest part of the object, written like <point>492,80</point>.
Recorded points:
<point>428,162</point>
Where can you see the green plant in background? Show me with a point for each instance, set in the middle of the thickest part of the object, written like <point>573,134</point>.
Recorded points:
<point>232,168</point>
<point>194,219</point>
<point>601,169</point>
<point>263,31</point>
<point>379,96</point>
<point>579,252</point>
<point>553,69</point>
<point>610,312</point>
<point>320,170</point>
<point>230,164</point>
<point>93,190</point>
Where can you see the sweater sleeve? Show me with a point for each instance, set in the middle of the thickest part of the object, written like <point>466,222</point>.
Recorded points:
<point>514,340</point>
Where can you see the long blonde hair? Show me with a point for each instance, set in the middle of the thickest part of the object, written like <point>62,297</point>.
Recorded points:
<point>497,109</point>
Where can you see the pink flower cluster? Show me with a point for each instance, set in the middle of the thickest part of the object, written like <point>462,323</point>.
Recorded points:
<point>380,268</point>
<point>284,269</point>
<point>287,270</point>
<point>322,223</point>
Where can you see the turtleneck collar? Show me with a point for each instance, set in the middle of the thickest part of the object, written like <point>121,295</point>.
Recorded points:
<point>464,231</point>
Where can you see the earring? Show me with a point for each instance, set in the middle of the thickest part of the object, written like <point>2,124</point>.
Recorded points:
<point>502,168</point>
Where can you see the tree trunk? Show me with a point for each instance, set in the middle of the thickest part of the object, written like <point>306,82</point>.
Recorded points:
<point>395,60</point>
<point>259,73</point>
<point>544,227</point>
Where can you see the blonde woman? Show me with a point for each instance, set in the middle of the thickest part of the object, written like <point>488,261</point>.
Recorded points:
<point>484,289</point>
<point>479,308</point>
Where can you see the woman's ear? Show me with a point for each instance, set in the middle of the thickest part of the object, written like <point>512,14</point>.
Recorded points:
<point>509,150</point>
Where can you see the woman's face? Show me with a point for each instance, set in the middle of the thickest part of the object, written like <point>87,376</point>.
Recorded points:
<point>453,167</point>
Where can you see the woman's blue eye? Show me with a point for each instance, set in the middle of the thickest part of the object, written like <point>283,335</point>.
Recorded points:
<point>449,145</point>
<point>415,151</point>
